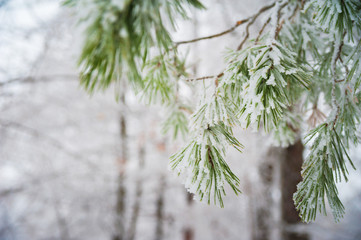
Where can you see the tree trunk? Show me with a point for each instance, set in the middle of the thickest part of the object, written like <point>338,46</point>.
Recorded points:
<point>276,217</point>
<point>188,232</point>
<point>138,194</point>
<point>262,197</point>
<point>290,177</point>
<point>121,192</point>
<point>159,210</point>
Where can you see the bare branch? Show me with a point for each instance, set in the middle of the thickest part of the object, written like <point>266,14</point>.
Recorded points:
<point>43,78</point>
<point>279,24</point>
<point>54,142</point>
<point>238,23</point>
<point>205,77</point>
<point>262,29</point>
<point>336,56</point>
<point>253,19</point>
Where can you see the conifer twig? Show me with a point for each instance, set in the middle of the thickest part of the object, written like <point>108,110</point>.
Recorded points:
<point>279,24</point>
<point>250,21</point>
<point>205,77</point>
<point>262,29</point>
<point>336,56</point>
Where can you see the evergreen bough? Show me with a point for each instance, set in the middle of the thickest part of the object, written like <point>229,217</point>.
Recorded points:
<point>309,61</point>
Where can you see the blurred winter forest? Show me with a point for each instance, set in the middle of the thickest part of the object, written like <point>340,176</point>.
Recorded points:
<point>74,166</point>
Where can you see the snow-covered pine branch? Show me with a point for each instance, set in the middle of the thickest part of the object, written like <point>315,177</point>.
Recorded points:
<point>305,56</point>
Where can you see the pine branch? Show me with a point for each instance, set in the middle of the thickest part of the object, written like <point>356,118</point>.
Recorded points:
<point>205,77</point>
<point>250,21</point>
<point>335,57</point>
<point>259,87</point>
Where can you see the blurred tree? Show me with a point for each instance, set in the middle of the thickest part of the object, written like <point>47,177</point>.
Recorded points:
<point>301,70</point>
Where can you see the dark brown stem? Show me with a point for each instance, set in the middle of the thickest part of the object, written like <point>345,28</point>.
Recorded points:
<point>336,57</point>
<point>295,11</point>
<point>42,78</point>
<point>279,24</point>
<point>250,21</point>
<point>262,29</point>
<point>205,77</point>
<point>238,23</point>
<point>199,79</point>
<point>253,19</point>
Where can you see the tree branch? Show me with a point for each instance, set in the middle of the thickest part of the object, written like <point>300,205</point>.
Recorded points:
<point>43,78</point>
<point>336,56</point>
<point>205,77</point>
<point>279,25</point>
<point>50,140</point>
<point>262,29</point>
<point>251,20</point>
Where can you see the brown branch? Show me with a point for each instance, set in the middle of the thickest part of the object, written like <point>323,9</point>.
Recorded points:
<point>251,20</point>
<point>205,77</point>
<point>254,18</point>
<point>200,78</point>
<point>336,56</point>
<point>238,23</point>
<point>278,30</point>
<point>279,24</point>
<point>295,11</point>
<point>187,110</point>
<point>50,140</point>
<point>44,78</point>
<point>262,29</point>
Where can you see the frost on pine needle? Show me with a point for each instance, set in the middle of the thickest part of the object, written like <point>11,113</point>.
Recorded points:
<point>176,123</point>
<point>324,167</point>
<point>286,132</point>
<point>120,35</point>
<point>337,15</point>
<point>160,79</point>
<point>350,114</point>
<point>268,72</point>
<point>214,110</point>
<point>202,166</point>
<point>262,85</point>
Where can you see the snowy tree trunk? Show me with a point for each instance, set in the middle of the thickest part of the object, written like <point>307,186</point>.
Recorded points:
<point>121,192</point>
<point>62,223</point>
<point>290,177</point>
<point>263,203</point>
<point>274,212</point>
<point>160,209</point>
<point>138,194</point>
<point>188,232</point>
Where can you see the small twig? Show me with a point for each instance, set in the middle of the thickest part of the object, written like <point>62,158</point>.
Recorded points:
<point>216,81</point>
<point>43,78</point>
<point>336,56</point>
<point>250,21</point>
<point>200,78</point>
<point>347,70</point>
<point>187,110</point>
<point>254,18</point>
<point>279,28</point>
<point>279,24</point>
<point>205,77</point>
<point>50,140</point>
<point>294,13</point>
<point>262,29</point>
<point>238,23</point>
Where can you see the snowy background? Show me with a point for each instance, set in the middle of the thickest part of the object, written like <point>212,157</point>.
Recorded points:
<point>60,147</point>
